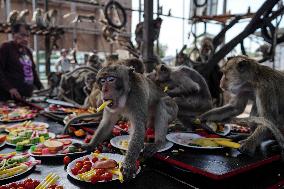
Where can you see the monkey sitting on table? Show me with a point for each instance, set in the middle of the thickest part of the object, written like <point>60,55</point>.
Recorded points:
<point>245,78</point>
<point>139,99</point>
<point>188,89</point>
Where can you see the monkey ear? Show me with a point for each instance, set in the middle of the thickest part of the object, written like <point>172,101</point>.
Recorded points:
<point>164,68</point>
<point>242,66</point>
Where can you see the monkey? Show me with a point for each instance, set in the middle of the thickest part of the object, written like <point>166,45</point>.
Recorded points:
<point>140,100</point>
<point>37,18</point>
<point>21,18</point>
<point>89,81</point>
<point>182,59</point>
<point>188,89</point>
<point>157,23</point>
<point>94,61</point>
<point>135,63</point>
<point>12,18</point>
<point>242,76</point>
<point>50,18</point>
<point>72,84</point>
<point>207,49</point>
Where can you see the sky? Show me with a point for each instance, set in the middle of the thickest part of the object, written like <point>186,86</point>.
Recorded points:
<point>171,33</point>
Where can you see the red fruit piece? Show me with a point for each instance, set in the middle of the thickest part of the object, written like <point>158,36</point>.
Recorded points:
<point>66,160</point>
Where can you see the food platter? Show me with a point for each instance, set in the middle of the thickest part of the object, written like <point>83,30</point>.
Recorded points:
<point>17,114</point>
<point>30,159</point>
<point>121,142</point>
<point>51,135</point>
<point>58,154</point>
<point>186,140</point>
<point>218,128</point>
<point>40,126</point>
<point>117,157</point>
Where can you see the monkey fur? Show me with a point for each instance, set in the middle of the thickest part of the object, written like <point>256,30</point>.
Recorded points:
<point>244,76</point>
<point>141,101</point>
<point>188,89</point>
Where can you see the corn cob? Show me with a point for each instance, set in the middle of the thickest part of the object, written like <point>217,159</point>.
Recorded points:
<point>103,105</point>
<point>228,143</point>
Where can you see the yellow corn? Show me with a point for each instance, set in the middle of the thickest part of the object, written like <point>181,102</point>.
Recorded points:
<point>13,171</point>
<point>103,105</point>
<point>220,139</point>
<point>166,89</point>
<point>44,181</point>
<point>228,143</point>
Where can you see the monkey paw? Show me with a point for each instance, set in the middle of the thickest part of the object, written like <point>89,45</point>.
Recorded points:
<point>149,150</point>
<point>247,147</point>
<point>128,171</point>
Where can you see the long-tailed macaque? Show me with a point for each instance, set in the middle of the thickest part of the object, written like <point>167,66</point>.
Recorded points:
<point>139,99</point>
<point>246,79</point>
<point>188,89</point>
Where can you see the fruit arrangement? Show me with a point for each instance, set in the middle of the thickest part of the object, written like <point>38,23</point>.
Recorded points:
<point>55,147</point>
<point>239,129</point>
<point>34,184</point>
<point>14,164</point>
<point>27,138</point>
<point>121,127</point>
<point>96,168</point>
<point>8,114</point>
<point>27,125</point>
<point>53,108</point>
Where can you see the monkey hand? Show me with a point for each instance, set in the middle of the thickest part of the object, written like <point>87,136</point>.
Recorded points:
<point>247,147</point>
<point>150,149</point>
<point>128,170</point>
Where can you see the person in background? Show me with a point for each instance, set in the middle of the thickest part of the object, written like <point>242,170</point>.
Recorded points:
<point>63,62</point>
<point>18,75</point>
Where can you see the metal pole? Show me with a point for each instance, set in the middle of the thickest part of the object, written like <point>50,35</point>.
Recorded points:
<point>158,13</point>
<point>34,4</point>
<point>183,11</point>
<point>147,35</point>
<point>47,46</point>
<point>8,9</point>
<point>139,11</point>
<point>224,12</point>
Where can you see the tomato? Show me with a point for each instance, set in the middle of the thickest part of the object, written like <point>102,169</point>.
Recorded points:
<point>109,145</point>
<point>86,159</point>
<point>87,167</point>
<point>95,178</point>
<point>88,163</point>
<point>100,171</point>
<point>36,183</point>
<point>83,170</point>
<point>75,170</point>
<point>79,165</point>
<point>66,160</point>
<point>95,159</point>
<point>29,185</point>
<point>106,176</point>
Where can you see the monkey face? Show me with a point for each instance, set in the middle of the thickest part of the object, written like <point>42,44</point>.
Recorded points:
<point>114,85</point>
<point>237,74</point>
<point>90,79</point>
<point>162,73</point>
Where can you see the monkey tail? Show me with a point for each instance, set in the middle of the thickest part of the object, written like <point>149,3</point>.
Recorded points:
<point>269,125</point>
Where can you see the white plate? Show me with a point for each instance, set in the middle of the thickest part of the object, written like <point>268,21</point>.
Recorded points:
<point>60,102</point>
<point>184,138</point>
<point>115,142</point>
<point>2,144</point>
<point>15,125</point>
<point>59,155</point>
<point>29,168</point>
<point>55,112</point>
<point>227,130</point>
<point>117,157</point>
<point>51,135</point>
<point>17,120</point>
